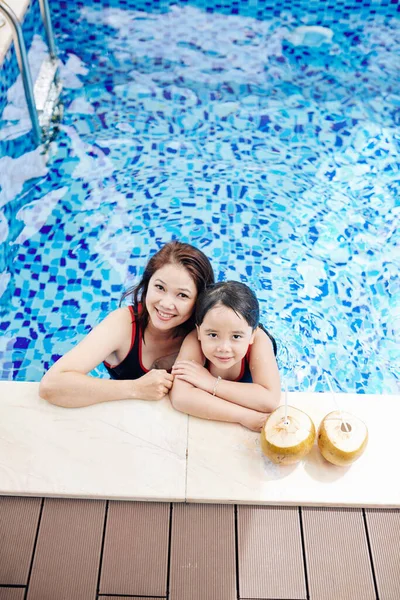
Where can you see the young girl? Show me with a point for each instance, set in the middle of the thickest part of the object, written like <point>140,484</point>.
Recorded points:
<point>131,341</point>
<point>226,369</point>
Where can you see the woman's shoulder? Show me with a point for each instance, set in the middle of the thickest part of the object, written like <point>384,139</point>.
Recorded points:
<point>118,329</point>
<point>118,322</point>
<point>121,314</point>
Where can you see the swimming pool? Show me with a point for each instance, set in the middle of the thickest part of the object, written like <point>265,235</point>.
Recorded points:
<point>267,135</point>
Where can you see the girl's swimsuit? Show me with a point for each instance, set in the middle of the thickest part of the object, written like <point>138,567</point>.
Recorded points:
<point>131,367</point>
<point>245,375</point>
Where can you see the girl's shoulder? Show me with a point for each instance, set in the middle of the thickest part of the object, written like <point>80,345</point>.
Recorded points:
<point>263,341</point>
<point>267,338</point>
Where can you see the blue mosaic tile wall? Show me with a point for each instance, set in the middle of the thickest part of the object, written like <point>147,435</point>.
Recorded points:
<point>16,147</point>
<point>272,148</point>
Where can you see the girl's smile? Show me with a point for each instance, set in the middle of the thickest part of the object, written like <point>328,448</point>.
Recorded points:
<point>224,336</point>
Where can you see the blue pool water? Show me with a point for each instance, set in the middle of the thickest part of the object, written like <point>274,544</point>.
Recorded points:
<point>272,143</point>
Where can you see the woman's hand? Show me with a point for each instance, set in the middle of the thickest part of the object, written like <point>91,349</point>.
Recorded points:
<point>153,386</point>
<point>194,373</point>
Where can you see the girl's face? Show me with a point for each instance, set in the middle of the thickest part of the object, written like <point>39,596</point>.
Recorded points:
<point>170,297</point>
<point>224,337</point>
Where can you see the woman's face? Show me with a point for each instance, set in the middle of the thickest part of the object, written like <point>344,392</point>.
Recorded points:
<point>224,337</point>
<point>171,297</point>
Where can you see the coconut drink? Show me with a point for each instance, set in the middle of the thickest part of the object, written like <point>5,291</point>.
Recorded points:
<point>342,438</point>
<point>287,436</point>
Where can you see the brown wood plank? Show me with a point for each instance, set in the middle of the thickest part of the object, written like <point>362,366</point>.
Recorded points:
<point>135,557</point>
<point>203,552</point>
<point>337,554</point>
<point>12,593</point>
<point>384,535</point>
<point>68,549</point>
<point>270,553</point>
<point>18,524</point>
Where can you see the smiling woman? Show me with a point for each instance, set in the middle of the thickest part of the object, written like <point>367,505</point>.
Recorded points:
<point>137,343</point>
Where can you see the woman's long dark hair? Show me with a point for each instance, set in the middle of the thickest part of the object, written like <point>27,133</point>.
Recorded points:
<point>175,253</point>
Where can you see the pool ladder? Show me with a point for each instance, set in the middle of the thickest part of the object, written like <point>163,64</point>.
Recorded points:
<point>41,99</point>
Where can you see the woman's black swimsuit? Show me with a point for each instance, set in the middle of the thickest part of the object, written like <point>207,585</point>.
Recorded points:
<point>131,367</point>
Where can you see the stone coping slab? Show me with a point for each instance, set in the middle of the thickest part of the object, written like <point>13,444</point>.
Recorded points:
<point>126,450</point>
<point>19,7</point>
<point>136,450</point>
<point>225,462</point>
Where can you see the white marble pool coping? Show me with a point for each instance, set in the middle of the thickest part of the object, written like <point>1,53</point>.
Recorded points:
<point>136,450</point>
<point>19,7</point>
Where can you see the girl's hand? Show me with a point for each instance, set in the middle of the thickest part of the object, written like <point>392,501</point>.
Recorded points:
<point>254,420</point>
<point>194,373</point>
<point>154,385</point>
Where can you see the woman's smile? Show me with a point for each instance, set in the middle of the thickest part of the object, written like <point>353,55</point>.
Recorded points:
<point>164,316</point>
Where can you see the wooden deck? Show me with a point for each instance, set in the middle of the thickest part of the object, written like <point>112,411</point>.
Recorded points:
<point>56,549</point>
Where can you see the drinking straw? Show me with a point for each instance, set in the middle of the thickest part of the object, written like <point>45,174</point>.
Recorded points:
<point>335,401</point>
<point>286,422</point>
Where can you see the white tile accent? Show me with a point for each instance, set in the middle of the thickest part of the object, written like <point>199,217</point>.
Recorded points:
<point>225,462</point>
<point>122,450</point>
<point>137,450</point>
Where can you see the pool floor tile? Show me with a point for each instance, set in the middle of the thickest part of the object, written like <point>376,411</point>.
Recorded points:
<point>136,549</point>
<point>19,519</point>
<point>384,534</point>
<point>318,553</point>
<point>269,539</point>
<point>12,593</point>
<point>203,564</point>
<point>337,556</point>
<point>67,556</point>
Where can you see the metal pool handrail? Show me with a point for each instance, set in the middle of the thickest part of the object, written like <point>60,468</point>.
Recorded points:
<point>44,9</point>
<point>23,59</point>
<point>23,67</point>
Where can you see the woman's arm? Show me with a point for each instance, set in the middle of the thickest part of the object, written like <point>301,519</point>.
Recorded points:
<point>197,402</point>
<point>67,384</point>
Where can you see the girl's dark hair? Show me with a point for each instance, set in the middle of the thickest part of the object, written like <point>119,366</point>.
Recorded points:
<point>232,294</point>
<point>175,253</point>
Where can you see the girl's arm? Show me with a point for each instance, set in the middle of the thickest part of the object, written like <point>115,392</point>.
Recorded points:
<point>264,393</point>
<point>197,402</point>
<point>67,384</point>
